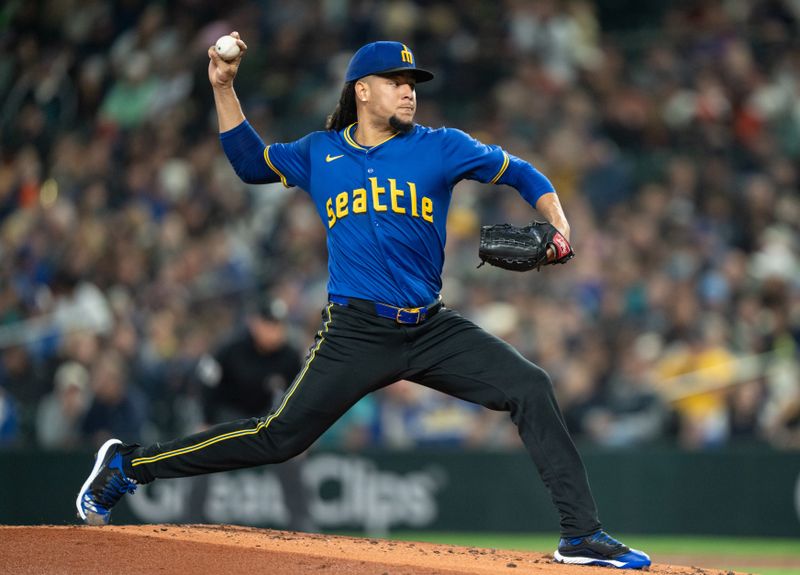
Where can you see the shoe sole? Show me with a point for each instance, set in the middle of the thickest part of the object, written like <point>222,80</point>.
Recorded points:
<point>602,562</point>
<point>90,517</point>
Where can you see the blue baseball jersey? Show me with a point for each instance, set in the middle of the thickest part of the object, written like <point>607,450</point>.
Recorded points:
<point>385,207</point>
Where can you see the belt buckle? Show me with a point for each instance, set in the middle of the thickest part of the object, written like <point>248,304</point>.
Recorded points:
<point>409,310</point>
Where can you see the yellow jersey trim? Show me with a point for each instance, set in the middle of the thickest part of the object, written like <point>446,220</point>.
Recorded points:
<point>273,168</point>
<point>386,140</point>
<point>262,425</point>
<point>502,169</point>
<point>350,140</point>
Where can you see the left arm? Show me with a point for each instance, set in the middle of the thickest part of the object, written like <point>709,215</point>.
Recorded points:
<point>540,193</point>
<point>466,157</point>
<point>537,190</point>
<point>550,207</point>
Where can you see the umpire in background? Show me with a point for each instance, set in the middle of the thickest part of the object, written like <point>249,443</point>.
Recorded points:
<point>246,376</point>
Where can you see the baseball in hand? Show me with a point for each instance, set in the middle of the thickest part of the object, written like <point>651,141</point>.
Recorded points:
<point>227,48</point>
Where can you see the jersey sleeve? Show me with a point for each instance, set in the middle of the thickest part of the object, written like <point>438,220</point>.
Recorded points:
<point>291,162</point>
<point>466,158</point>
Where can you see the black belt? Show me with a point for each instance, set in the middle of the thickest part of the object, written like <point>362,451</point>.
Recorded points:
<point>402,315</point>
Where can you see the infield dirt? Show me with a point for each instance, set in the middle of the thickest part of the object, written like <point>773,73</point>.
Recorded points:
<point>233,550</point>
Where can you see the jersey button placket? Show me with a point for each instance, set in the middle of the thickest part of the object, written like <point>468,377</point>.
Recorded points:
<point>369,171</point>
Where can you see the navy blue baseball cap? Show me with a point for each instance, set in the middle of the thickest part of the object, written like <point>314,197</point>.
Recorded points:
<point>384,58</point>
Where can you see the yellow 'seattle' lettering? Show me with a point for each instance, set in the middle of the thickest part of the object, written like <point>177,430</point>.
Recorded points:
<point>396,193</point>
<point>360,201</point>
<point>377,191</point>
<point>427,209</point>
<point>331,215</point>
<point>403,202</point>
<point>341,205</point>
<point>413,189</point>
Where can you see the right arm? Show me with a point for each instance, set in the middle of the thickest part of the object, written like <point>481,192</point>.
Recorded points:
<point>242,145</point>
<point>221,75</point>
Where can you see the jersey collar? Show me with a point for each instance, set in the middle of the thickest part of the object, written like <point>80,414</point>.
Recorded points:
<point>347,134</point>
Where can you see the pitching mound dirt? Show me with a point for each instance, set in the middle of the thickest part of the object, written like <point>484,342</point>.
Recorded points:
<point>229,550</point>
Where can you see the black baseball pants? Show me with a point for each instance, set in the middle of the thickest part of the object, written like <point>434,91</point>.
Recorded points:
<point>356,352</point>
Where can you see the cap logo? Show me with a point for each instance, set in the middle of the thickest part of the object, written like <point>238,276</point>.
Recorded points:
<point>406,56</point>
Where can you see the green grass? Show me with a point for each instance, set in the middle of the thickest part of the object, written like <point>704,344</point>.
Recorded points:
<point>738,549</point>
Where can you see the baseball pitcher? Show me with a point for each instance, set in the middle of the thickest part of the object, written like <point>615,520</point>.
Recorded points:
<point>382,186</point>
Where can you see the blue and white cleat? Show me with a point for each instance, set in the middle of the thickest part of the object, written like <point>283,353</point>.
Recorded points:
<point>105,485</point>
<point>600,549</point>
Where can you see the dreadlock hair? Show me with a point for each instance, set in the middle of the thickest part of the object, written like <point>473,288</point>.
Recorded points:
<point>345,112</point>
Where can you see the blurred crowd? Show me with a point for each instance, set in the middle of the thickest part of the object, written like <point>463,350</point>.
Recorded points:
<point>129,250</point>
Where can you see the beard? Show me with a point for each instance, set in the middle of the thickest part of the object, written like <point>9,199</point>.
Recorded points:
<point>400,126</point>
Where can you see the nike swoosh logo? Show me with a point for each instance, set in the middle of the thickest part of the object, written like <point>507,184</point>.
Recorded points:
<point>330,158</point>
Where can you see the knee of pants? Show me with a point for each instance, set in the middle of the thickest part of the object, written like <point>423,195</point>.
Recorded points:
<point>534,384</point>
<point>532,390</point>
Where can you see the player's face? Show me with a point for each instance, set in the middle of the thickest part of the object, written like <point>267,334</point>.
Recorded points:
<point>393,97</point>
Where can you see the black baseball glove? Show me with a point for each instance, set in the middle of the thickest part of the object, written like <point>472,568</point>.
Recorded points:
<point>522,248</point>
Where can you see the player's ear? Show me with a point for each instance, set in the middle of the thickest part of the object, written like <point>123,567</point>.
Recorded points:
<point>362,90</point>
